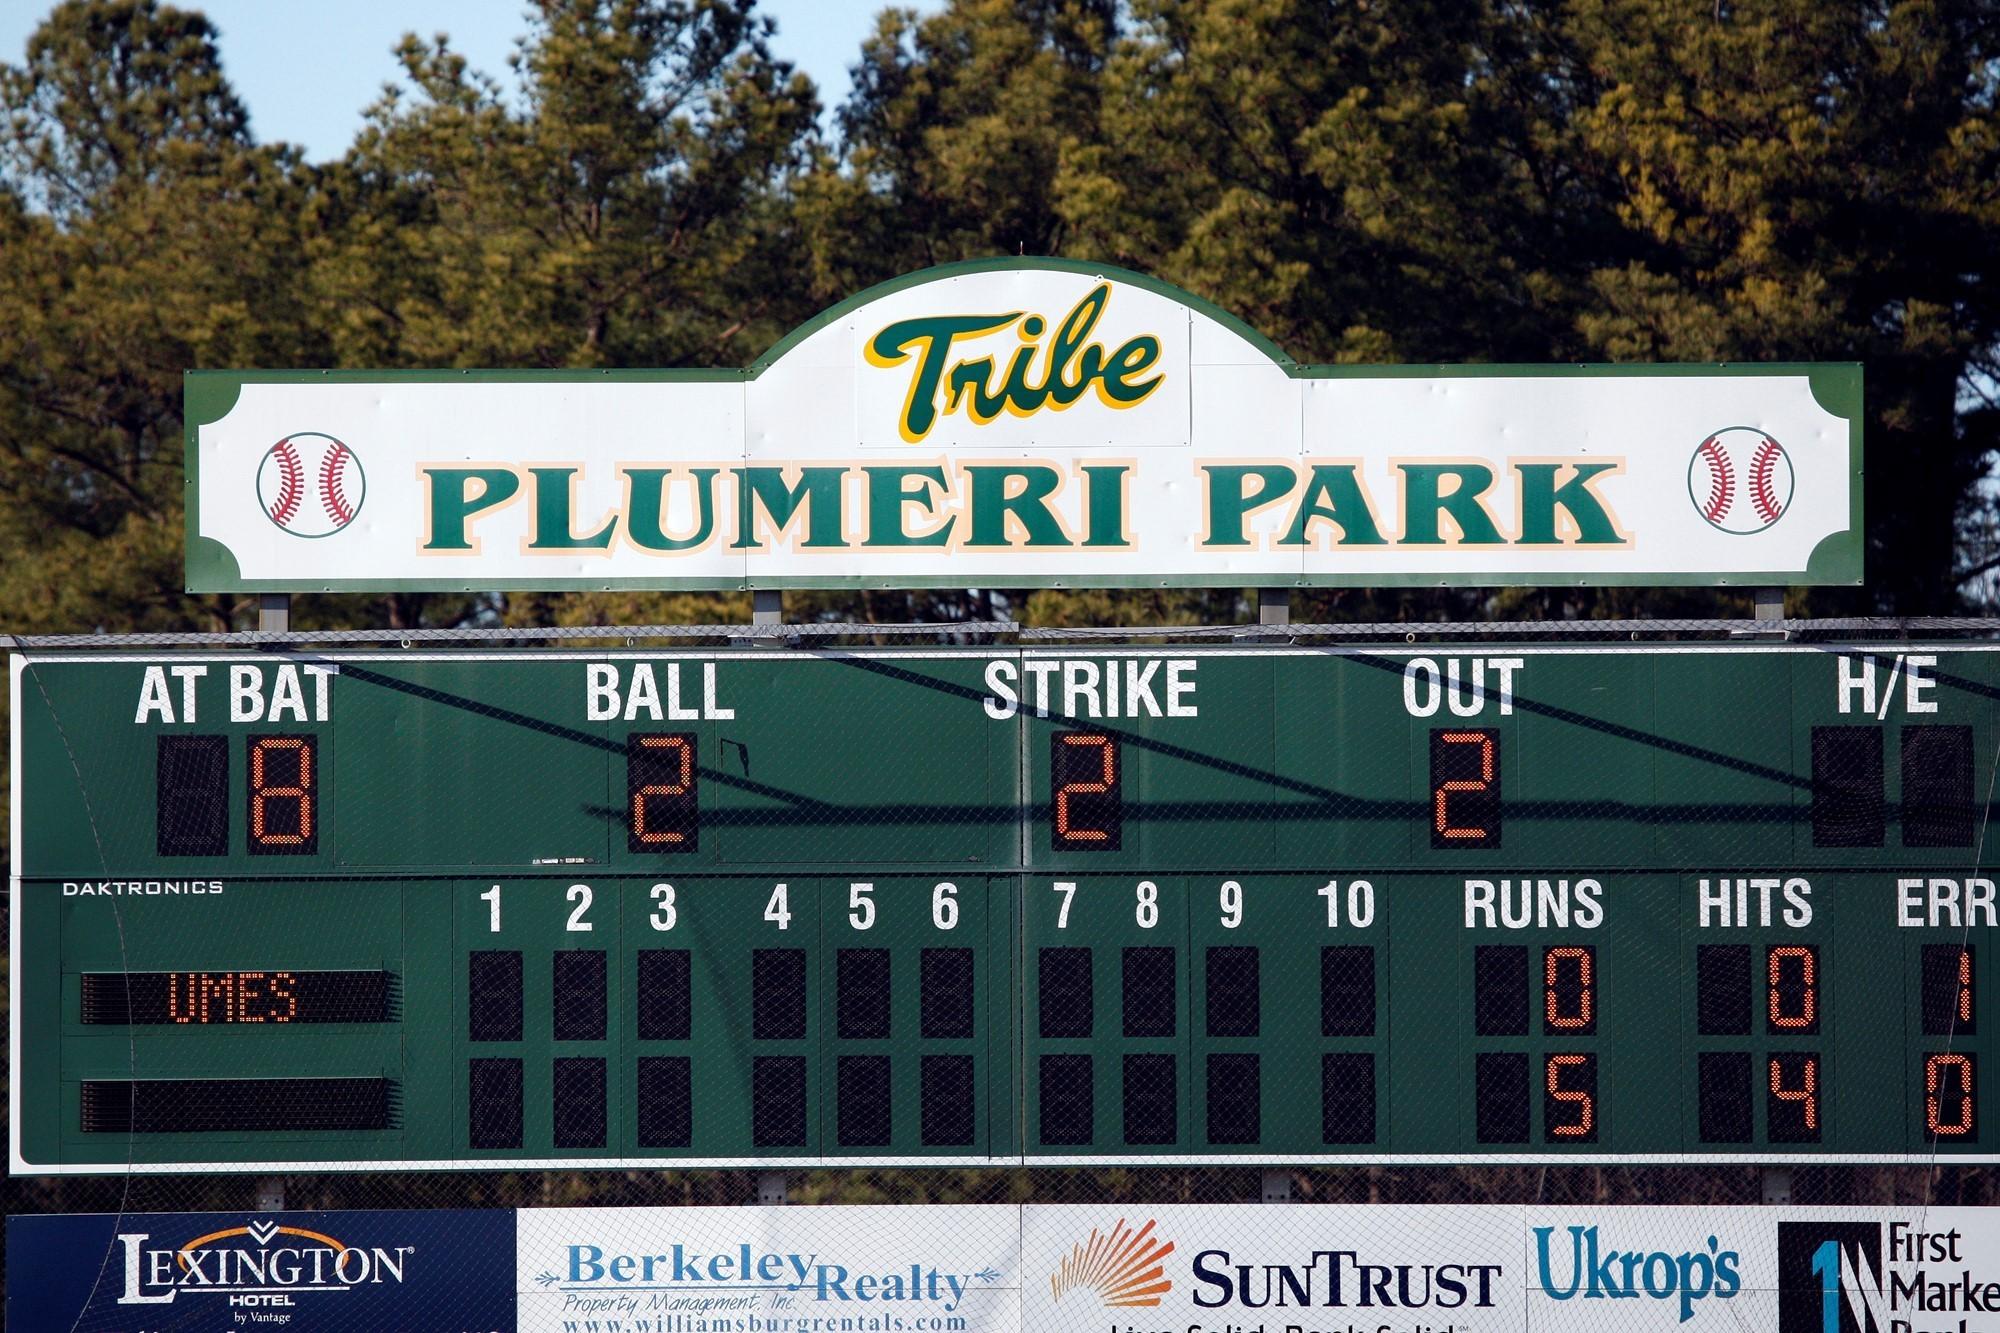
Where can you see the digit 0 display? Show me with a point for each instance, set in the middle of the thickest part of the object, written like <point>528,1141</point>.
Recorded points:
<point>1622,904</point>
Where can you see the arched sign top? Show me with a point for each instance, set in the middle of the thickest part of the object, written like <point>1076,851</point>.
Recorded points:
<point>956,273</point>
<point>1023,423</point>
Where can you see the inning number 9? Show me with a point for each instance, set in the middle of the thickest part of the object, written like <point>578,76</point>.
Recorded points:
<point>1232,904</point>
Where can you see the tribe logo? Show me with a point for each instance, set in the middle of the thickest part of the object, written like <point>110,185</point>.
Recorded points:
<point>259,1263</point>
<point>1740,480</point>
<point>1051,374</point>
<point>1123,1267</point>
<point>310,484</point>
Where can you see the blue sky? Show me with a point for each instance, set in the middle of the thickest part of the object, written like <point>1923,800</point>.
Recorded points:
<point>306,68</point>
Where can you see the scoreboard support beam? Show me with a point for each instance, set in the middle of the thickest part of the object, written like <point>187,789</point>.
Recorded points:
<point>771,1188</point>
<point>767,607</point>
<point>1274,606</point>
<point>1277,1185</point>
<point>1778,1186</point>
<point>274,612</point>
<point>1769,603</point>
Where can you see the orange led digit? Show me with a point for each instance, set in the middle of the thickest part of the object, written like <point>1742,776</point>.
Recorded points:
<point>1793,1110</point>
<point>1794,988</point>
<point>1948,1082</point>
<point>1465,788</point>
<point>660,791</point>
<point>1088,809</point>
<point>1569,989</point>
<point>281,796</point>
<point>1570,1108</point>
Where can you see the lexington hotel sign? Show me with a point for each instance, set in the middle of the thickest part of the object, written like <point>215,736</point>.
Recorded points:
<point>1024,423</point>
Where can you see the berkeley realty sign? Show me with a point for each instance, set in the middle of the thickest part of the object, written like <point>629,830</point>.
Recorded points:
<point>1023,423</point>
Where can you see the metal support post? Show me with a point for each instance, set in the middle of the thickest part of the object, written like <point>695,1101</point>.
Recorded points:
<point>274,612</point>
<point>1778,1185</point>
<point>1277,1185</point>
<point>771,1184</point>
<point>767,607</point>
<point>1769,603</point>
<point>271,1194</point>
<point>1274,606</point>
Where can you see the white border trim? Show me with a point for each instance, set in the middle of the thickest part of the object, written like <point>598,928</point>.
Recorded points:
<point>1031,1160</point>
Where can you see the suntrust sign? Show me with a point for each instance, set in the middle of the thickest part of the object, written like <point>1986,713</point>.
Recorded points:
<point>1024,423</point>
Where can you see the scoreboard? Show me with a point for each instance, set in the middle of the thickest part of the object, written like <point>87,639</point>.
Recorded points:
<point>1715,901</point>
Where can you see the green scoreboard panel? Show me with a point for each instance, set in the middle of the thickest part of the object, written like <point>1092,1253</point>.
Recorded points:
<point>1608,903</point>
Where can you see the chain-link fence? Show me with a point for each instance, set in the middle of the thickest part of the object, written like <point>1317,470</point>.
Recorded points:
<point>1547,913</point>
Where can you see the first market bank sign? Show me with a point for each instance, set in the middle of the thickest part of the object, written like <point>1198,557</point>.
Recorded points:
<point>1023,423</point>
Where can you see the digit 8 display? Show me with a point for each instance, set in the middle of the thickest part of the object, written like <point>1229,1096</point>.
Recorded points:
<point>281,795</point>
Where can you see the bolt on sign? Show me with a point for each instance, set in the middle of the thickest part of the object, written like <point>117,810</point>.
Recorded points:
<point>1024,422</point>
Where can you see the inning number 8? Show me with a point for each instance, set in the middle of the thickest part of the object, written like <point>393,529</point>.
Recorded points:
<point>1147,913</point>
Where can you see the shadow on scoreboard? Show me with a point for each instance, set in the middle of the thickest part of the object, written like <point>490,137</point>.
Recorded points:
<point>1319,803</point>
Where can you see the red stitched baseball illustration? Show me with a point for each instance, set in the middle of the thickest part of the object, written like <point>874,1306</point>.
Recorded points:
<point>1740,480</point>
<point>338,485</point>
<point>1762,464</point>
<point>1721,480</point>
<point>291,483</point>
<point>331,492</point>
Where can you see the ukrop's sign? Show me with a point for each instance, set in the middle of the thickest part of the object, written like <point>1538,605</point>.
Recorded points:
<point>1024,423</point>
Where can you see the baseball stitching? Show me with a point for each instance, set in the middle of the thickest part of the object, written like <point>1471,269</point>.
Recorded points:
<point>291,484</point>
<point>1763,466</point>
<point>1721,480</point>
<point>331,492</point>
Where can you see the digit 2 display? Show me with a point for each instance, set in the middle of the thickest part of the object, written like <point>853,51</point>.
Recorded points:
<point>1611,903</point>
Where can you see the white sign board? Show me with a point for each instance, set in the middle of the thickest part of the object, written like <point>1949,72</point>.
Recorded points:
<point>1237,1268</point>
<point>1015,424</point>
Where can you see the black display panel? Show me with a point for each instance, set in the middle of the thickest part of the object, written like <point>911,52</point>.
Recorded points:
<point>1465,787</point>
<point>242,996</point>
<point>662,800</point>
<point>282,795</point>
<point>247,1105</point>
<point>191,796</point>
<point>1086,807</point>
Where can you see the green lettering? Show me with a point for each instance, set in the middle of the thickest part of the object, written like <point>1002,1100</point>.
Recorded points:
<point>1333,493</point>
<point>934,334</point>
<point>1540,497</point>
<point>889,491</point>
<point>1424,499</point>
<point>1134,358</point>
<point>1230,501</point>
<point>817,491</point>
<point>453,502</point>
<point>645,508</point>
<point>554,488</point>
<point>1104,504</point>
<point>991,504</point>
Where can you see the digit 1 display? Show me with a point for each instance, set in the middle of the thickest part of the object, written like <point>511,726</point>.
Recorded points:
<point>661,801</point>
<point>1465,788</point>
<point>1087,809</point>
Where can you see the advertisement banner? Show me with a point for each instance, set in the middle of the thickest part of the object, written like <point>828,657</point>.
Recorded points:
<point>302,1272</point>
<point>1024,423</point>
<point>1004,1268</point>
<point>952,1268</point>
<point>1238,1268</point>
